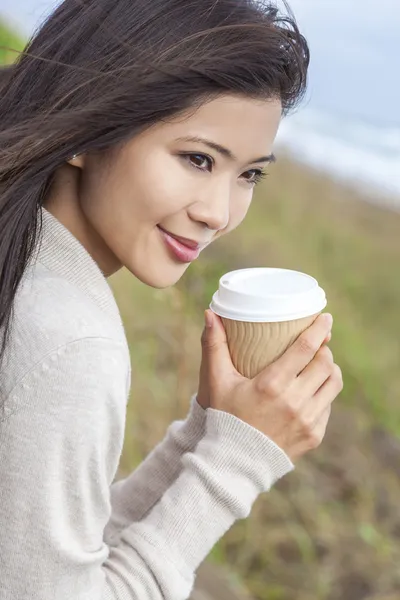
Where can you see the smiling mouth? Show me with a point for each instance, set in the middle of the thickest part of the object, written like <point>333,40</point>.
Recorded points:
<point>194,245</point>
<point>183,249</point>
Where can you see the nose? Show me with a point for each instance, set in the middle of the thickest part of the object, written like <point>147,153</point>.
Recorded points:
<point>212,207</point>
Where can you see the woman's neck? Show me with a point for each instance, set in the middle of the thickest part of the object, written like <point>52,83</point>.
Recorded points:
<point>63,203</point>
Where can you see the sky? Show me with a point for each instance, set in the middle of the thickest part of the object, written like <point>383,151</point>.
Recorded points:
<point>354,49</point>
<point>354,52</point>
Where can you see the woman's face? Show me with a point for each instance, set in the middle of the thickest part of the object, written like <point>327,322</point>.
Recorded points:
<point>172,190</point>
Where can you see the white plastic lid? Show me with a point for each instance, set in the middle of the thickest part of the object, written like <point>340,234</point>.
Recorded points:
<point>267,295</point>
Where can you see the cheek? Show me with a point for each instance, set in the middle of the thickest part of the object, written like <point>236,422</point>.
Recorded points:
<point>172,189</point>
<point>159,188</point>
<point>137,189</point>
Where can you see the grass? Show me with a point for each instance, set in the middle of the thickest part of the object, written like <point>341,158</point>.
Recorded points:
<point>9,41</point>
<point>331,530</point>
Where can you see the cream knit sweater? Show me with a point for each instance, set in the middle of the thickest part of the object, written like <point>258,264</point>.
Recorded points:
<point>67,530</point>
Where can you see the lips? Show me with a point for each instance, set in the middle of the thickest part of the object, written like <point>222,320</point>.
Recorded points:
<point>185,241</point>
<point>184,249</point>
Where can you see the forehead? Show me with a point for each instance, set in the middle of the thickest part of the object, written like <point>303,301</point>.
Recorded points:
<point>235,109</point>
<point>242,124</point>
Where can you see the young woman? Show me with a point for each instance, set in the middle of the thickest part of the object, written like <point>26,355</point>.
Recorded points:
<point>133,133</point>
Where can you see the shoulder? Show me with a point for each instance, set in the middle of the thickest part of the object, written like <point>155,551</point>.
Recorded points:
<point>45,298</point>
<point>49,304</point>
<point>50,315</point>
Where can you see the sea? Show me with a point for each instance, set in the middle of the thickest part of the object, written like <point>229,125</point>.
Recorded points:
<point>359,152</point>
<point>349,124</point>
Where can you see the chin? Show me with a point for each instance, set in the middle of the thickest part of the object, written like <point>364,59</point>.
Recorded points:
<point>160,279</point>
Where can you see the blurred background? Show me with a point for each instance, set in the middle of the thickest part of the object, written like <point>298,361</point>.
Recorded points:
<point>330,207</point>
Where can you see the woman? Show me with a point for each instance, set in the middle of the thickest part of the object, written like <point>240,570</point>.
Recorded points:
<point>133,133</point>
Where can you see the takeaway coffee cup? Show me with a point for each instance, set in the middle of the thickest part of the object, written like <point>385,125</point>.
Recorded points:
<point>264,310</point>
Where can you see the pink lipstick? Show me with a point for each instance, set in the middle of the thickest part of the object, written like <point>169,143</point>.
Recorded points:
<point>183,249</point>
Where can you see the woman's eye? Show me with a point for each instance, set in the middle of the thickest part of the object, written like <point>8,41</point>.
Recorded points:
<point>254,175</point>
<point>205,163</point>
<point>199,161</point>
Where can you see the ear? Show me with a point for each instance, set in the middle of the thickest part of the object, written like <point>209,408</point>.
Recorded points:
<point>78,160</point>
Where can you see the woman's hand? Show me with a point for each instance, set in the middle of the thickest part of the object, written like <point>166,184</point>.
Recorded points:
<point>289,401</point>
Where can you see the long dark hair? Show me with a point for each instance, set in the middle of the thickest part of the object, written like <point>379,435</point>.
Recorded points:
<point>100,71</point>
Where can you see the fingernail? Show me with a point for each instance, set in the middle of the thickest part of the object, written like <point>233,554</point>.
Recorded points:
<point>329,319</point>
<point>208,319</point>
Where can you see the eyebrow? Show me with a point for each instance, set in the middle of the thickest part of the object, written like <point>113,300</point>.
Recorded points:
<point>271,158</point>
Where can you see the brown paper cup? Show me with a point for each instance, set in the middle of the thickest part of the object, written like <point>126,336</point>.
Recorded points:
<point>254,346</point>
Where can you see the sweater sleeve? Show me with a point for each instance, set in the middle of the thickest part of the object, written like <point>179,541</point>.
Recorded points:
<point>133,496</point>
<point>59,448</point>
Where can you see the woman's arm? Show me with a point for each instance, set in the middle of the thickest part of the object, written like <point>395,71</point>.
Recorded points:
<point>59,448</point>
<point>134,496</point>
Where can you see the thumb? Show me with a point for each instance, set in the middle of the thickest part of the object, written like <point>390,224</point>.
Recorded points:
<point>215,345</point>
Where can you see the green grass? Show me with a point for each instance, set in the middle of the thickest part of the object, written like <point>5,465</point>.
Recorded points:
<point>331,530</point>
<point>9,41</point>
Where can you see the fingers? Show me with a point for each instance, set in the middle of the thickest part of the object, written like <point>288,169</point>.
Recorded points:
<point>324,397</point>
<point>320,406</point>
<point>330,389</point>
<point>317,372</point>
<point>319,430</point>
<point>301,353</point>
<point>215,351</point>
